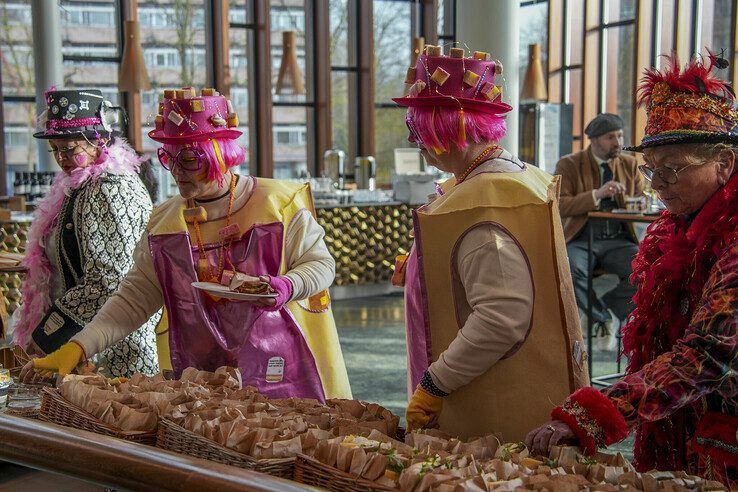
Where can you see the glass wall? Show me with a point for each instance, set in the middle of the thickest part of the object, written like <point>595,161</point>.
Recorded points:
<point>173,42</point>
<point>344,70</point>
<point>590,37</point>
<point>289,131</point>
<point>90,46</point>
<point>665,39</point>
<point>533,30</point>
<point>18,88</point>
<point>715,26</point>
<point>237,71</point>
<point>392,54</point>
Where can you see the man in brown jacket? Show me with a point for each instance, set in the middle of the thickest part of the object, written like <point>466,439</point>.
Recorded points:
<point>599,178</point>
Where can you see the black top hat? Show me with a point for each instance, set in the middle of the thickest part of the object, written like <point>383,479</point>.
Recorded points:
<point>77,113</point>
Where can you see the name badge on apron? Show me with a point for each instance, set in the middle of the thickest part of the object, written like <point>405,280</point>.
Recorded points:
<point>275,370</point>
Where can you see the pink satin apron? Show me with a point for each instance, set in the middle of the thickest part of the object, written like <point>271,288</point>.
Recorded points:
<point>268,347</point>
<point>416,316</point>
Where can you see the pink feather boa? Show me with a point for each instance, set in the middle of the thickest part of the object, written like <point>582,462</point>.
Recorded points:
<point>118,158</point>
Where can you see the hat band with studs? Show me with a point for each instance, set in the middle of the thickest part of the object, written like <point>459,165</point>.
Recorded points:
<point>75,123</point>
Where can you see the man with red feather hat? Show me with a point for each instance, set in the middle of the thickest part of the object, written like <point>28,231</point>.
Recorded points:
<point>679,391</point>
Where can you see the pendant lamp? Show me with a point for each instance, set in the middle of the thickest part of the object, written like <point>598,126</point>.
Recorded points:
<point>534,85</point>
<point>289,79</point>
<point>132,76</point>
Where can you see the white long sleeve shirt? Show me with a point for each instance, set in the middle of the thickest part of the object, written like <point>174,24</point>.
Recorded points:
<point>310,268</point>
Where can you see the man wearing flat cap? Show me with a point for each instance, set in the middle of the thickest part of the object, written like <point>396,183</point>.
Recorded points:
<point>599,178</point>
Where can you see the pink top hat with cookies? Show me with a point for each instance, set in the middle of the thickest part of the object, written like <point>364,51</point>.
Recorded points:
<point>186,117</point>
<point>455,81</point>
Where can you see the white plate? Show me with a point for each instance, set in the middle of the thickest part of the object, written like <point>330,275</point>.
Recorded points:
<point>226,293</point>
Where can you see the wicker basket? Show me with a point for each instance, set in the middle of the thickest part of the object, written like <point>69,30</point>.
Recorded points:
<point>312,472</point>
<point>56,409</point>
<point>173,437</point>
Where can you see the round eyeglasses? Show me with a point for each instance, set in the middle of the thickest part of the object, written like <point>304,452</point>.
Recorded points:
<point>68,151</point>
<point>188,158</point>
<point>666,174</point>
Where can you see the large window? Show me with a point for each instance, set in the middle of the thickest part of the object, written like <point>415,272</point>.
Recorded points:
<point>533,30</point>
<point>291,100</point>
<point>665,29</point>
<point>446,24</point>
<point>598,49</point>
<point>344,76</point>
<point>173,43</point>
<point>237,72</point>
<point>618,44</point>
<point>392,54</point>
<point>18,88</point>
<point>90,46</point>
<point>367,46</point>
<point>715,25</point>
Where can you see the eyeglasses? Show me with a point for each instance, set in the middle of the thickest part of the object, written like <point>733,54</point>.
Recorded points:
<point>188,158</point>
<point>69,151</point>
<point>414,135</point>
<point>665,173</point>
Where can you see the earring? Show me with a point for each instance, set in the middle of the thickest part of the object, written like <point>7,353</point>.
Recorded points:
<point>721,181</point>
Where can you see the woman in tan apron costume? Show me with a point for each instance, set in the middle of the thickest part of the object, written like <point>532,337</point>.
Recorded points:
<point>492,327</point>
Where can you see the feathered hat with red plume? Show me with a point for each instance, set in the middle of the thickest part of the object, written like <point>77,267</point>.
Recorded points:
<point>689,105</point>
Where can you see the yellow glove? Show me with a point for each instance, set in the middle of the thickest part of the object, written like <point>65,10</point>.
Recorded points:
<point>61,362</point>
<point>422,407</point>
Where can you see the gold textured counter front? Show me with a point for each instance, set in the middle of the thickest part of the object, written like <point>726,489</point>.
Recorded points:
<point>364,240</point>
<point>12,238</point>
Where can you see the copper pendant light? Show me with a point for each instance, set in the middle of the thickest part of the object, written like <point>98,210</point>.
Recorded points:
<point>289,79</point>
<point>534,84</point>
<point>132,76</point>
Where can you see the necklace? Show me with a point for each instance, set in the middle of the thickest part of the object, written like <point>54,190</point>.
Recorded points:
<point>476,162</point>
<point>211,200</point>
<point>204,265</point>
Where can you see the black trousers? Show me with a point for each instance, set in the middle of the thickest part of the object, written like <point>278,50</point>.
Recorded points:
<point>612,255</point>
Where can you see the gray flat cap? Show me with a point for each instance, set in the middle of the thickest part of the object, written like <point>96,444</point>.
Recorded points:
<point>603,123</point>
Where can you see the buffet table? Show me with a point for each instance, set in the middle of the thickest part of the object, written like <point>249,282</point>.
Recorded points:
<point>120,464</point>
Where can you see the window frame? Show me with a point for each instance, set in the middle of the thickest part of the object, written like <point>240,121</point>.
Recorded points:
<point>77,58</point>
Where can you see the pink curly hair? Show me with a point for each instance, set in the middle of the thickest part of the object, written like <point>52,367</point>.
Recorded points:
<point>233,155</point>
<point>438,127</point>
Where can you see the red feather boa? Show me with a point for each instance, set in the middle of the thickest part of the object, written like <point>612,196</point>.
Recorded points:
<point>671,268</point>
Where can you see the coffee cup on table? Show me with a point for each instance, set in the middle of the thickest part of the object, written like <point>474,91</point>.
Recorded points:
<point>634,203</point>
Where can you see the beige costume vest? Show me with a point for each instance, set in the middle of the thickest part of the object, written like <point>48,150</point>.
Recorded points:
<point>518,392</point>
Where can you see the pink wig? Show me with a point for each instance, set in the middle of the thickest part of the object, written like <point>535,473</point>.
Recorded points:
<point>232,154</point>
<point>438,127</point>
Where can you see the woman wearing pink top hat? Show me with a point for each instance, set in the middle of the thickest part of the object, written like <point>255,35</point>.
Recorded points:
<point>223,226</point>
<point>492,329</point>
